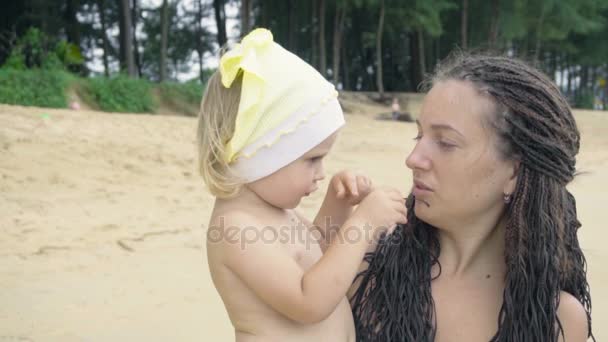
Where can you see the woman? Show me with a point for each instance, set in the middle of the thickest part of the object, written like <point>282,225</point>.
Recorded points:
<point>490,251</point>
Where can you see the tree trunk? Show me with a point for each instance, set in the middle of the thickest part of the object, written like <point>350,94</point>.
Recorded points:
<point>71,22</point>
<point>313,34</point>
<point>379,74</point>
<point>563,67</point>
<point>346,73</point>
<point>164,33</point>
<point>570,78</point>
<point>552,64</point>
<point>605,101</point>
<point>220,21</point>
<point>539,28</point>
<point>322,58</point>
<point>464,24</point>
<point>494,18</point>
<point>104,37</point>
<point>122,57</point>
<point>134,16</point>
<point>422,57</point>
<point>245,17</point>
<point>338,28</point>
<point>127,36</point>
<point>593,78</point>
<point>291,26</point>
<point>414,65</point>
<point>584,79</point>
<point>199,40</point>
<point>264,13</point>
<point>576,87</point>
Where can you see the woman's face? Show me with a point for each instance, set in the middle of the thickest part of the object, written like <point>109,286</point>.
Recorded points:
<point>459,176</point>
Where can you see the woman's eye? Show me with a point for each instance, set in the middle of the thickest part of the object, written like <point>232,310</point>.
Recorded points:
<point>444,145</point>
<point>418,137</point>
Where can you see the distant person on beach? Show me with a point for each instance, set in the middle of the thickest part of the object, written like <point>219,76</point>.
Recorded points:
<point>395,108</point>
<point>490,251</point>
<point>267,121</point>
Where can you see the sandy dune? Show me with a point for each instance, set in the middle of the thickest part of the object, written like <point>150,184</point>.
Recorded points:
<point>102,221</point>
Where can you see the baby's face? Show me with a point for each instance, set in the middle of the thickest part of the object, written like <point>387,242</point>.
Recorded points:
<point>286,187</point>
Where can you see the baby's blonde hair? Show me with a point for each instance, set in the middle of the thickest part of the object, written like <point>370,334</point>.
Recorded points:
<point>216,123</point>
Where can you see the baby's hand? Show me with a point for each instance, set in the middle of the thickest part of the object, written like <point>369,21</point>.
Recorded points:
<point>350,186</point>
<point>383,209</point>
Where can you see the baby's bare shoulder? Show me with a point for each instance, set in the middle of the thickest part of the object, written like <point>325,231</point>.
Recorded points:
<point>238,232</point>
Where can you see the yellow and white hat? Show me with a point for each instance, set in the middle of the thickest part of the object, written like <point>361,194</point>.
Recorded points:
<point>286,107</point>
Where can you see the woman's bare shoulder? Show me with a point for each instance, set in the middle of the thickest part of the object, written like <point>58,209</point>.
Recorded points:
<point>573,318</point>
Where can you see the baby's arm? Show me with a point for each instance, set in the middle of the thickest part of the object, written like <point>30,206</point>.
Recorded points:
<point>345,190</point>
<point>276,278</point>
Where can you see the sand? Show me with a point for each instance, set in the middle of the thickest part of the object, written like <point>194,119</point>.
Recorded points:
<point>102,220</point>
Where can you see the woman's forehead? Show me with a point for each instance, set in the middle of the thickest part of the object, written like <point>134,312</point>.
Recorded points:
<point>457,104</point>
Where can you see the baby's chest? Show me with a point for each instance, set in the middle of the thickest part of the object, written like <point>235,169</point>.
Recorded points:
<point>304,252</point>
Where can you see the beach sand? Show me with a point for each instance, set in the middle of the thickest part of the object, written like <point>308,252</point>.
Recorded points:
<point>103,220</point>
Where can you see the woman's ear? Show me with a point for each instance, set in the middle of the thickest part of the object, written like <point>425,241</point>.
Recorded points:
<point>512,181</point>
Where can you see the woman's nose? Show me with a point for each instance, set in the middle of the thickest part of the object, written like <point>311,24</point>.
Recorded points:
<point>417,159</point>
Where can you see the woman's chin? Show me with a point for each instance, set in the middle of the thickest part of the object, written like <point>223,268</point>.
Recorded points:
<point>423,211</point>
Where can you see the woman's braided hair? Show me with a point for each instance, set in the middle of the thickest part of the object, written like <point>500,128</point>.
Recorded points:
<point>542,253</point>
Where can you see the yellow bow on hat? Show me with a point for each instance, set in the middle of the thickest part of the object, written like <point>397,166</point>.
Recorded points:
<point>275,84</point>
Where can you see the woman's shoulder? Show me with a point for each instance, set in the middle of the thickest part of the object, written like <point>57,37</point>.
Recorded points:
<point>573,318</point>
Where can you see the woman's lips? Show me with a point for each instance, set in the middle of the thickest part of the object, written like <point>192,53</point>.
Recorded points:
<point>421,189</point>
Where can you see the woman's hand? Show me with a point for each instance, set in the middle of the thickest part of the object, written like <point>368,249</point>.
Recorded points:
<point>350,187</point>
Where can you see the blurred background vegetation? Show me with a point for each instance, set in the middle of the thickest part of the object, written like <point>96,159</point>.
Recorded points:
<point>137,55</point>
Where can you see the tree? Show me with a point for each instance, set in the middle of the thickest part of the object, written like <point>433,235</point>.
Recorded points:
<point>126,37</point>
<point>164,24</point>
<point>105,45</point>
<point>322,55</point>
<point>220,21</point>
<point>494,20</point>
<point>200,35</point>
<point>379,32</point>
<point>134,20</point>
<point>246,8</point>
<point>341,8</point>
<point>464,25</point>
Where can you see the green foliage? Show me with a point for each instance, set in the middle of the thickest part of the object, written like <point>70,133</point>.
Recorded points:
<point>183,97</point>
<point>584,99</point>
<point>44,88</point>
<point>121,94</point>
<point>36,50</point>
<point>68,54</point>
